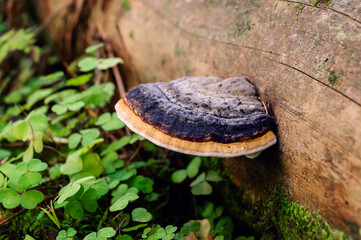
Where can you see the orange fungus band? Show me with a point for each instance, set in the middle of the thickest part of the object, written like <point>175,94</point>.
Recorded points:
<point>210,148</point>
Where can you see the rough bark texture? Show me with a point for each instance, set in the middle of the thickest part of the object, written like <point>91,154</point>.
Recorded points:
<point>292,62</point>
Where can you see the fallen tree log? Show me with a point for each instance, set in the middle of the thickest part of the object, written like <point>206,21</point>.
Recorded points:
<point>304,59</point>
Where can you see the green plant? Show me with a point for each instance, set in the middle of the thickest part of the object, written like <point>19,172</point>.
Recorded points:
<point>28,237</point>
<point>109,122</point>
<point>17,40</point>
<point>141,215</point>
<point>69,169</point>
<point>102,234</point>
<point>158,232</point>
<point>52,214</point>
<point>191,226</point>
<point>210,212</point>
<point>126,5</point>
<point>123,201</point>
<point>325,2</point>
<point>90,63</point>
<point>66,235</point>
<point>298,10</point>
<point>52,119</point>
<point>244,238</point>
<point>18,183</point>
<point>333,78</point>
<point>242,28</point>
<point>200,186</point>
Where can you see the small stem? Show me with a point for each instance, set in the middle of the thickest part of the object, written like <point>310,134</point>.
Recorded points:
<point>151,230</point>
<point>102,220</point>
<point>16,144</point>
<point>32,130</point>
<point>21,109</point>
<point>55,150</point>
<point>12,216</point>
<point>135,153</point>
<point>120,226</point>
<point>3,161</point>
<point>264,105</point>
<point>69,71</point>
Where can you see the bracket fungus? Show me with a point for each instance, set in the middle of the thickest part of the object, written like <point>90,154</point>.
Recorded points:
<point>205,116</point>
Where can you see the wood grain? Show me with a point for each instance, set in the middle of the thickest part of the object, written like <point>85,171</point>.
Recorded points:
<point>290,62</point>
<point>318,158</point>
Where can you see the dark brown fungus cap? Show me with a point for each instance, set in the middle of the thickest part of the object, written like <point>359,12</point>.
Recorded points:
<point>206,116</point>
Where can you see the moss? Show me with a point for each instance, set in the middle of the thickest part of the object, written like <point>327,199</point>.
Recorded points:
<point>298,10</point>
<point>209,3</point>
<point>292,221</point>
<point>37,224</point>
<point>275,217</point>
<point>126,5</point>
<point>242,28</point>
<point>30,222</point>
<point>325,2</point>
<point>333,78</point>
<point>131,35</point>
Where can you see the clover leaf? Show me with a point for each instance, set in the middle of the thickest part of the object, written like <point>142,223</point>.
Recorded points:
<point>109,122</point>
<point>124,237</point>
<point>36,165</point>
<point>74,209</point>
<point>143,184</point>
<point>21,130</point>
<point>86,137</point>
<point>30,199</point>
<point>102,234</point>
<point>114,146</point>
<point>66,235</point>
<point>90,63</point>
<point>141,215</point>
<point>191,226</point>
<point>121,191</point>
<point>123,202</point>
<point>29,179</point>
<point>193,167</point>
<point>68,191</point>
<point>62,108</point>
<point>108,63</point>
<point>213,176</point>
<point>25,174</point>
<point>37,96</point>
<point>82,79</point>
<point>92,165</point>
<point>200,185</point>
<point>92,48</point>
<point>4,153</point>
<point>74,140</point>
<point>9,198</point>
<point>106,232</point>
<point>38,121</point>
<point>179,176</point>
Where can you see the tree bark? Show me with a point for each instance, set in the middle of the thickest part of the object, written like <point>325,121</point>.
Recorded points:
<point>305,61</point>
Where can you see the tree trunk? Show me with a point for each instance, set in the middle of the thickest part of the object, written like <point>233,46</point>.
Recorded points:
<point>305,61</point>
